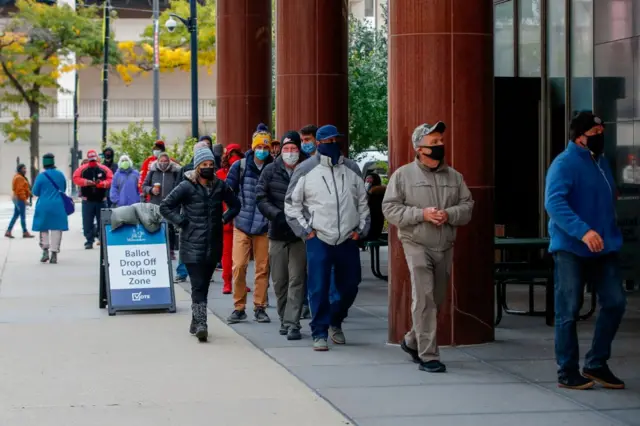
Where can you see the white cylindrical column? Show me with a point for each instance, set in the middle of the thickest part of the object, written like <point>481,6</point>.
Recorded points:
<point>66,80</point>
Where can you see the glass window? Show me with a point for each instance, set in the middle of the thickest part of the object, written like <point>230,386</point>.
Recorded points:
<point>529,38</point>
<point>503,39</point>
<point>613,84</point>
<point>613,20</point>
<point>368,8</point>
<point>581,56</point>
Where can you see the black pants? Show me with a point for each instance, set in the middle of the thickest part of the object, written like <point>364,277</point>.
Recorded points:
<point>172,237</point>
<point>200,276</point>
<point>91,216</point>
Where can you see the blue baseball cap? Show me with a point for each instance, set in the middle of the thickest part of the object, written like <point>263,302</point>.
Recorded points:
<point>327,132</point>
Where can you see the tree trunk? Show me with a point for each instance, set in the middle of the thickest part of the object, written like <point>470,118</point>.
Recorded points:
<point>34,139</point>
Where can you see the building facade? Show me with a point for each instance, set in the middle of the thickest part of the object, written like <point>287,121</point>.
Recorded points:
<point>553,59</point>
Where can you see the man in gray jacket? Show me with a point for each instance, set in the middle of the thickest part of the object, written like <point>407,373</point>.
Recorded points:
<point>326,205</point>
<point>427,200</point>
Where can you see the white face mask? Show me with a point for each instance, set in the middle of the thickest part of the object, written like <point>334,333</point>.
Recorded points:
<point>290,158</point>
<point>156,152</point>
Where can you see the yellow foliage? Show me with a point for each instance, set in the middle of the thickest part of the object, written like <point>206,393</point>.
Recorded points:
<point>137,59</point>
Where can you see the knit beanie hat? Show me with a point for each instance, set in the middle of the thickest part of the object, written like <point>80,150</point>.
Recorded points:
<point>159,145</point>
<point>218,150</point>
<point>291,137</point>
<point>261,136</point>
<point>206,138</point>
<point>201,156</point>
<point>200,145</point>
<point>48,160</point>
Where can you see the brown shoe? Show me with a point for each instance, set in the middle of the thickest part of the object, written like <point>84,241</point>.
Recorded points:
<point>8,234</point>
<point>27,235</point>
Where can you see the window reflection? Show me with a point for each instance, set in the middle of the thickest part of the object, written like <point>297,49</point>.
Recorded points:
<point>613,19</point>
<point>614,75</point>
<point>503,40</point>
<point>529,38</point>
<point>581,56</point>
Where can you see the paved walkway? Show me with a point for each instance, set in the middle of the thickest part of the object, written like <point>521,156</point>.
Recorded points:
<point>65,362</point>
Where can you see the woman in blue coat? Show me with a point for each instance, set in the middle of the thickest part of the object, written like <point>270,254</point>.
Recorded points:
<point>50,217</point>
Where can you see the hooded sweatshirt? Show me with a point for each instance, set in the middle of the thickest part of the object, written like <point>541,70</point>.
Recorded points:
<point>167,179</point>
<point>124,187</point>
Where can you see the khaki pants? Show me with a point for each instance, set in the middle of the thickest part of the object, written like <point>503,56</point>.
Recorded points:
<point>430,272</point>
<point>288,262</point>
<point>242,245</point>
<point>51,240</point>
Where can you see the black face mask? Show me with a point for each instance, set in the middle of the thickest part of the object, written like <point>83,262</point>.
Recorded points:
<point>206,173</point>
<point>437,152</point>
<point>595,143</point>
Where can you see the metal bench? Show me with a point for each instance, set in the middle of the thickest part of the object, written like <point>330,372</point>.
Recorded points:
<point>374,249</point>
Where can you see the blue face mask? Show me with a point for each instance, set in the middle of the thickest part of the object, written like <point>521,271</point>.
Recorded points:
<point>331,150</point>
<point>262,154</point>
<point>308,147</point>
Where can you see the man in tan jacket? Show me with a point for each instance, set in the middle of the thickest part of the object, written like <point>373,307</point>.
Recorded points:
<point>427,200</point>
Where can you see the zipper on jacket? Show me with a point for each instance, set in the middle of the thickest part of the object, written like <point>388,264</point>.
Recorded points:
<point>435,186</point>
<point>604,176</point>
<point>335,186</point>
<point>327,184</point>
<point>343,182</point>
<point>162,192</point>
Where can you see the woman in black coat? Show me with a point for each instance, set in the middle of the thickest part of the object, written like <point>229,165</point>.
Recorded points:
<point>195,206</point>
<point>375,191</point>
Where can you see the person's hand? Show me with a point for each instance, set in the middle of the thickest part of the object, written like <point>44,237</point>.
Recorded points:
<point>155,191</point>
<point>355,236</point>
<point>90,183</point>
<point>430,215</point>
<point>594,241</point>
<point>442,217</point>
<point>311,235</point>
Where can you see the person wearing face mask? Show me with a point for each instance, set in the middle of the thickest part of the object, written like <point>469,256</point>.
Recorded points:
<point>233,153</point>
<point>108,160</point>
<point>585,243</point>
<point>287,258</point>
<point>308,139</point>
<point>275,148</point>
<point>250,229</point>
<point>94,180</point>
<point>326,205</point>
<point>158,148</point>
<point>427,200</point>
<point>124,187</point>
<point>196,206</point>
<point>21,195</point>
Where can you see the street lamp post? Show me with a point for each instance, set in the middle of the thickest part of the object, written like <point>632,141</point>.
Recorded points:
<point>192,24</point>
<point>156,67</point>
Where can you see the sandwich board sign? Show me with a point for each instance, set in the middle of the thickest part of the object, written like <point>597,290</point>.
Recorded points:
<point>137,269</point>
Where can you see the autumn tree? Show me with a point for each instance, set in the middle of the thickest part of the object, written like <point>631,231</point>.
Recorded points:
<point>32,46</point>
<point>174,47</point>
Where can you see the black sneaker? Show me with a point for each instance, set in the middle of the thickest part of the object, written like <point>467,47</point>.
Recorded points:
<point>236,317</point>
<point>283,329</point>
<point>88,246</point>
<point>603,376</point>
<point>179,279</point>
<point>412,352</point>
<point>260,315</point>
<point>294,334</point>
<point>574,380</point>
<point>433,366</point>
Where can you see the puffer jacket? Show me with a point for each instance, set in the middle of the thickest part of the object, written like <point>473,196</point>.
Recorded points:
<point>330,200</point>
<point>168,180</point>
<point>413,188</point>
<point>250,220</point>
<point>197,211</point>
<point>271,192</point>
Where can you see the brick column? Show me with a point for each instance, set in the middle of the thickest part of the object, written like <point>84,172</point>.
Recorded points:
<point>441,68</point>
<point>243,47</point>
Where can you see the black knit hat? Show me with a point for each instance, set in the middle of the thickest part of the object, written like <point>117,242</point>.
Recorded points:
<point>291,137</point>
<point>582,123</point>
<point>48,160</point>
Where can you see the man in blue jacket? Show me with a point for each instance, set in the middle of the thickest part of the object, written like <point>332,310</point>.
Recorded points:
<point>250,229</point>
<point>585,241</point>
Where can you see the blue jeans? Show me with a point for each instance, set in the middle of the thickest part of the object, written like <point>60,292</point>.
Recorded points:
<point>571,274</point>
<point>181,270</point>
<point>325,262</point>
<point>19,210</point>
<point>334,296</point>
<point>91,216</point>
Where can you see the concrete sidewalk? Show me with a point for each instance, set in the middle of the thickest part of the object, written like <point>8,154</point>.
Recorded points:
<point>65,362</point>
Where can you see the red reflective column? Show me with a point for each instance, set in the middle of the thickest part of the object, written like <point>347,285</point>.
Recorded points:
<point>243,89</point>
<point>312,65</point>
<point>441,68</point>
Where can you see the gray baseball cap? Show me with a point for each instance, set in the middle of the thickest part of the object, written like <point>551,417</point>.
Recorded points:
<point>424,129</point>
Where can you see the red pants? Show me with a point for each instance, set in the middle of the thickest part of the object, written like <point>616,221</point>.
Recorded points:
<point>227,260</point>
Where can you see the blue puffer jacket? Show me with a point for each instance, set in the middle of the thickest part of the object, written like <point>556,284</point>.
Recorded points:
<point>250,220</point>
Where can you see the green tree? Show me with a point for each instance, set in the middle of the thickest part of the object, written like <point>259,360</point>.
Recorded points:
<point>32,46</point>
<point>367,87</point>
